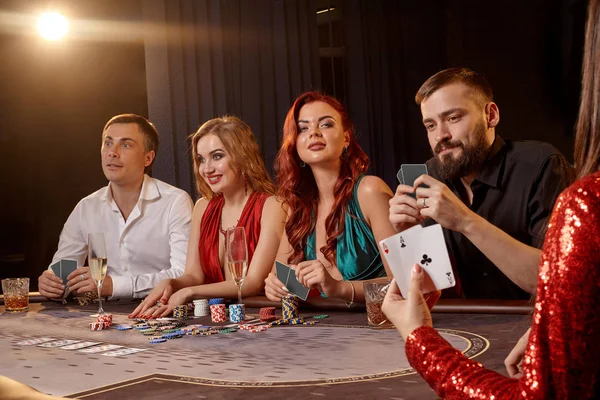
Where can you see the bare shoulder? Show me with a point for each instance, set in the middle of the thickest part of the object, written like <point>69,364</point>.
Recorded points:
<point>274,207</point>
<point>372,185</point>
<point>199,208</point>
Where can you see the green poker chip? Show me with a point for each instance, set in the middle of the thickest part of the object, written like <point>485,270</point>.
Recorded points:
<point>321,316</point>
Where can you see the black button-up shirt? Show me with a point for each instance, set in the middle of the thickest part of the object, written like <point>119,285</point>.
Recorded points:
<point>515,190</point>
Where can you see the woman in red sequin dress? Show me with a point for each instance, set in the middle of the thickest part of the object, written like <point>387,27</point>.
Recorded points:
<point>562,356</point>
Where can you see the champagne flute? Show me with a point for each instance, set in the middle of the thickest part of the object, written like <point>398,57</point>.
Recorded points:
<point>237,256</point>
<point>97,259</point>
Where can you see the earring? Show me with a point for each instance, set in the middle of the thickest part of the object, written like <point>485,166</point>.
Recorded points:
<point>344,155</point>
<point>302,164</point>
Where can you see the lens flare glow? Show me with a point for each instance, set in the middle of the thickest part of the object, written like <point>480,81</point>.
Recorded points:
<point>52,25</point>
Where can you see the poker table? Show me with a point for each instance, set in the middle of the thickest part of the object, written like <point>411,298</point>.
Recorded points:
<point>341,356</point>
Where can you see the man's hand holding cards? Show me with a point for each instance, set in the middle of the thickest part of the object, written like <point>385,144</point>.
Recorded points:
<point>53,282</point>
<point>404,209</point>
<point>425,247</point>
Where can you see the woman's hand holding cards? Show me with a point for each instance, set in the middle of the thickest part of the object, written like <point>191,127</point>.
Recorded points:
<point>313,274</point>
<point>412,313</point>
<point>274,288</point>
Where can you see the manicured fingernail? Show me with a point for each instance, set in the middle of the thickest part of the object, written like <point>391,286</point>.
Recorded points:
<point>284,288</point>
<point>417,269</point>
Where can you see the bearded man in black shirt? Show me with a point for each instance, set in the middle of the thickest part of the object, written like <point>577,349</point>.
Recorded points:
<point>492,196</point>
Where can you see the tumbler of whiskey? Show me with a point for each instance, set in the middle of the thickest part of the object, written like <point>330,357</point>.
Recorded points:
<point>375,291</point>
<point>16,294</point>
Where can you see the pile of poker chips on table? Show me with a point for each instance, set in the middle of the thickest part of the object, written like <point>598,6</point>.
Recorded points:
<point>103,321</point>
<point>162,329</point>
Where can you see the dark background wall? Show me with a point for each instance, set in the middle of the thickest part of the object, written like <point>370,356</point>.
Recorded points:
<point>204,58</point>
<point>54,101</point>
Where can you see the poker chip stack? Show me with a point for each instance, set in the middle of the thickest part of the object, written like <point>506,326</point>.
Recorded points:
<point>289,307</point>
<point>218,300</point>
<point>201,308</point>
<point>98,326</point>
<point>105,318</point>
<point>267,314</point>
<point>237,313</point>
<point>180,312</point>
<point>218,313</point>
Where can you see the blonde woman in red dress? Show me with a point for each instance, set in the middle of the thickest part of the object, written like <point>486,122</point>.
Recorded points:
<point>236,191</point>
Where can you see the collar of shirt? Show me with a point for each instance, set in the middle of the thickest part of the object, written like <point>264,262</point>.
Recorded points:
<point>489,174</point>
<point>149,191</point>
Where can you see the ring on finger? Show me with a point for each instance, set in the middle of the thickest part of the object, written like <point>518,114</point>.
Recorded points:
<point>423,202</point>
<point>82,277</point>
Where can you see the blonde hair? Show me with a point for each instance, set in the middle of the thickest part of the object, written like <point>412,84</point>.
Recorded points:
<point>240,144</point>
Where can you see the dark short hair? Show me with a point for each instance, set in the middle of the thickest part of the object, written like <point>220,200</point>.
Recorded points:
<point>148,130</point>
<point>448,76</point>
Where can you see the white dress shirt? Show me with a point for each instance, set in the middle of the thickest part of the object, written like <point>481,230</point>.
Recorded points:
<point>147,248</point>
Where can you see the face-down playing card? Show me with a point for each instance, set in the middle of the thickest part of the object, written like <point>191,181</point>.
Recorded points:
<point>62,268</point>
<point>287,276</point>
<point>408,174</point>
<point>423,246</point>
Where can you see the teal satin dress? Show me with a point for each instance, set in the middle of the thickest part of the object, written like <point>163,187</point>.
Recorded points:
<point>357,254</point>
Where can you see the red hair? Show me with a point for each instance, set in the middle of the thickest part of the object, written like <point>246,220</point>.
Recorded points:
<point>298,189</point>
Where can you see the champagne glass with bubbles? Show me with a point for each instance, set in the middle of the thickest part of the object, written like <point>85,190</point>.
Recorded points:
<point>97,259</point>
<point>237,256</point>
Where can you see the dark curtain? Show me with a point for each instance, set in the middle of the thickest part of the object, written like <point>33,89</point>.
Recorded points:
<point>529,51</point>
<point>207,58</point>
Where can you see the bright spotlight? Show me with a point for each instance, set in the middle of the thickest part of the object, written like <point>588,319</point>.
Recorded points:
<point>52,25</point>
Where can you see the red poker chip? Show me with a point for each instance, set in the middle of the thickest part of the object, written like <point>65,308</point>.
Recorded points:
<point>98,326</point>
<point>261,329</point>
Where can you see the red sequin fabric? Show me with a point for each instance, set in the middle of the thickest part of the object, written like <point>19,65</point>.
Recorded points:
<point>562,360</point>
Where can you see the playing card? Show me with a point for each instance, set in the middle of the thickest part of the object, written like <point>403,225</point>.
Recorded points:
<point>80,345</point>
<point>59,343</point>
<point>122,352</point>
<point>288,277</point>
<point>66,267</point>
<point>62,268</point>
<point>410,173</point>
<point>400,177</point>
<point>423,246</point>
<point>31,342</point>
<point>100,349</point>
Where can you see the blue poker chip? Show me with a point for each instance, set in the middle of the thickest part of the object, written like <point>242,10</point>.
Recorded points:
<point>155,341</point>
<point>218,300</point>
<point>172,335</point>
<point>124,327</point>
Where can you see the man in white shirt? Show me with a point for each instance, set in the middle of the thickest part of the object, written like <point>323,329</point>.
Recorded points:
<point>146,222</point>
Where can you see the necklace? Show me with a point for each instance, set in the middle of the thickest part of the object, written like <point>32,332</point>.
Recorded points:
<point>224,231</point>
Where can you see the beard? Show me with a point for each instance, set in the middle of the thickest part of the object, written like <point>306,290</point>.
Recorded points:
<point>472,157</point>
